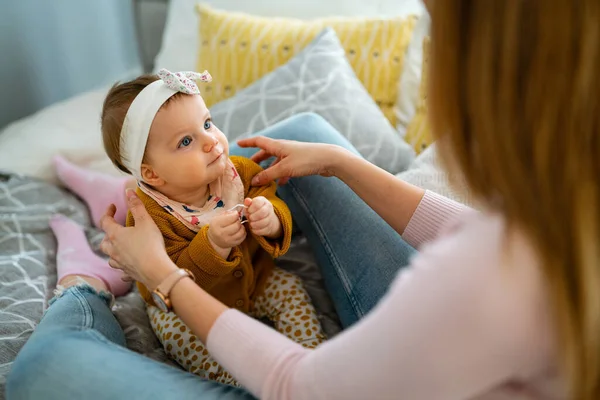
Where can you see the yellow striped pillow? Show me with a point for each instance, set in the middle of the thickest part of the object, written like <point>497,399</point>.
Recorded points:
<point>418,134</point>
<point>237,49</point>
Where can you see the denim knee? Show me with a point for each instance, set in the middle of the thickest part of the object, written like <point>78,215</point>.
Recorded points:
<point>314,128</point>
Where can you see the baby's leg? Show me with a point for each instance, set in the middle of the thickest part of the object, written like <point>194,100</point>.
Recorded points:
<point>287,304</point>
<point>182,346</point>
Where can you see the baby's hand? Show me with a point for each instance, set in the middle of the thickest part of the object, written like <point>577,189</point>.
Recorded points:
<point>262,217</point>
<point>226,231</point>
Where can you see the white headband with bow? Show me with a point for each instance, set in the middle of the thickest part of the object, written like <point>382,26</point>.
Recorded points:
<point>143,109</point>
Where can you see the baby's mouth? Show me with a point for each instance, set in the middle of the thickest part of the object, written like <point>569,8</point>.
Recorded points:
<point>216,159</point>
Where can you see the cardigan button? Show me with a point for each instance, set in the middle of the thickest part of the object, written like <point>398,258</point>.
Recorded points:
<point>239,303</point>
<point>238,273</point>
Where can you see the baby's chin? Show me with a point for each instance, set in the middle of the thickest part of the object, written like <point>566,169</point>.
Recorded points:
<point>217,168</point>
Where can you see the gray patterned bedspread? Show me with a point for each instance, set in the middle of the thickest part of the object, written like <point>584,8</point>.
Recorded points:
<point>28,269</point>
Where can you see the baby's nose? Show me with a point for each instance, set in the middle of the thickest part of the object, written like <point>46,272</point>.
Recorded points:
<point>209,143</point>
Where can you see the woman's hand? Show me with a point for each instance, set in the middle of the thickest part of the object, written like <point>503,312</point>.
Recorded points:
<point>292,158</point>
<point>140,250</point>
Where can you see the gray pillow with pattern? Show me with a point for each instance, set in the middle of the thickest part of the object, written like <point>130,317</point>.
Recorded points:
<point>319,79</point>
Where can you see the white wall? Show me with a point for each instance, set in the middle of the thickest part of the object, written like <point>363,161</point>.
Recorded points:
<point>51,50</point>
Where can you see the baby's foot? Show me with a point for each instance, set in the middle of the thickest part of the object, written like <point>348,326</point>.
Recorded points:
<point>75,257</point>
<point>96,189</point>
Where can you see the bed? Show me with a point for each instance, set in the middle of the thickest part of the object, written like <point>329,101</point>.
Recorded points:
<point>30,193</point>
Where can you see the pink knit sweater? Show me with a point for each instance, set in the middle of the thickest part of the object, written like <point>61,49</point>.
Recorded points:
<point>469,319</point>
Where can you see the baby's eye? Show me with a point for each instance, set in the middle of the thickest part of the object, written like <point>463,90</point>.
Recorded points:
<point>185,142</point>
<point>207,124</point>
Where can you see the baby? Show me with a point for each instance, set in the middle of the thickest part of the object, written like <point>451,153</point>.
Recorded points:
<point>216,227</point>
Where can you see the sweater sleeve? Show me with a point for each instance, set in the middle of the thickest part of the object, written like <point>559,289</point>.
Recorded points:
<point>198,255</point>
<point>456,324</point>
<point>247,169</point>
<point>433,213</point>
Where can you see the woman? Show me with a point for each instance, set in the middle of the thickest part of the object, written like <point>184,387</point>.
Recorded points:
<point>501,304</point>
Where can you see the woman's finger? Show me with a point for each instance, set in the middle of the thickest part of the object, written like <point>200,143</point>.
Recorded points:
<point>111,210</point>
<point>261,142</point>
<point>269,175</point>
<point>106,246</point>
<point>108,223</point>
<point>261,156</point>
<point>283,181</point>
<point>127,278</point>
<point>136,207</point>
<point>115,264</point>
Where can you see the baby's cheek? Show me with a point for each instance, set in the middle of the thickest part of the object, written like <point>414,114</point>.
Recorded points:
<point>223,140</point>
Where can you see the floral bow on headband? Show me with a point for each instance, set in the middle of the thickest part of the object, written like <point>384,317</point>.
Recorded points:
<point>184,81</point>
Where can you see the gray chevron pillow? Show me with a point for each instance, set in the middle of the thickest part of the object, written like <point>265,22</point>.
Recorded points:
<point>319,79</point>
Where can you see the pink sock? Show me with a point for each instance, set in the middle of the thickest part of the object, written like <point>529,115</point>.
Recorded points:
<point>75,257</point>
<point>96,189</point>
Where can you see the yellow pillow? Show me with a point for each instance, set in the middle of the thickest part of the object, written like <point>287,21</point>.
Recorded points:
<point>418,134</point>
<point>237,49</point>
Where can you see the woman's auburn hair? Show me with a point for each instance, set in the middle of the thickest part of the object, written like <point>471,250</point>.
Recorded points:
<point>514,101</point>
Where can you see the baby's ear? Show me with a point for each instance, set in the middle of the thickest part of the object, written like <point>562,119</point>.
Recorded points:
<point>150,176</point>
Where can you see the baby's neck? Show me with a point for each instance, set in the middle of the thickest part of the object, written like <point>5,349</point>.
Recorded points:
<point>195,197</point>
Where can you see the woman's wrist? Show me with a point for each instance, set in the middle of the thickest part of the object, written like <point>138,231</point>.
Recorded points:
<point>338,158</point>
<point>159,272</point>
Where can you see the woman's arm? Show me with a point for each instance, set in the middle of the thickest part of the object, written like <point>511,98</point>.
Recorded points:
<point>394,200</point>
<point>439,333</point>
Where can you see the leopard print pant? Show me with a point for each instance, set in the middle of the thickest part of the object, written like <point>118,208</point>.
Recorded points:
<point>285,302</point>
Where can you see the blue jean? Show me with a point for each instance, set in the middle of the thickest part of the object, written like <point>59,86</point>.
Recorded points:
<point>78,349</point>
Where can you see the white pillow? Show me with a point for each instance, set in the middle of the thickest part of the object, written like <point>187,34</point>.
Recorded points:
<point>70,128</point>
<point>427,173</point>
<point>180,37</point>
<point>410,80</point>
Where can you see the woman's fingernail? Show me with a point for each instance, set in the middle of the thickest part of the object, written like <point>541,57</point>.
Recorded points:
<point>129,193</point>
<point>255,180</point>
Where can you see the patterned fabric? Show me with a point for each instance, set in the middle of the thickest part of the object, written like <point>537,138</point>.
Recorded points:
<point>418,133</point>
<point>184,82</point>
<point>28,270</point>
<point>284,302</point>
<point>319,79</point>
<point>240,49</point>
<point>224,194</point>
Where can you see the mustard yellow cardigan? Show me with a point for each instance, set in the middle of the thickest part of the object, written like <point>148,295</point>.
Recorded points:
<point>235,281</point>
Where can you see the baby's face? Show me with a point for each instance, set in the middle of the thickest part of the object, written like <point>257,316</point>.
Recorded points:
<point>185,150</point>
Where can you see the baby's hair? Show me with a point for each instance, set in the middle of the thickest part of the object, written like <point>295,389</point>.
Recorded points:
<point>117,102</point>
